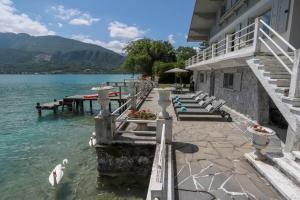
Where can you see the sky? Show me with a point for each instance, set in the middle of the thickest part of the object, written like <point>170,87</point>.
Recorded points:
<point>108,23</point>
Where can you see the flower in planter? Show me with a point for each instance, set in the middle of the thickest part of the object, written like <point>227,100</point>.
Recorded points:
<point>259,128</point>
<point>142,114</point>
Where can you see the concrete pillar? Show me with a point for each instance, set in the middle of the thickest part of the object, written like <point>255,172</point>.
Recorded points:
<point>256,41</point>
<point>295,77</point>
<point>204,54</point>
<point>227,43</point>
<point>168,129</point>
<point>103,129</point>
<point>104,122</point>
<point>292,141</point>
<point>164,117</point>
<point>213,50</point>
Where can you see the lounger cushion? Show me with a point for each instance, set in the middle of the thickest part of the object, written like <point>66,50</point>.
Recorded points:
<point>209,108</point>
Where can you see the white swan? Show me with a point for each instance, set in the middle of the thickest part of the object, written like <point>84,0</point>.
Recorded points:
<point>93,140</point>
<point>57,173</point>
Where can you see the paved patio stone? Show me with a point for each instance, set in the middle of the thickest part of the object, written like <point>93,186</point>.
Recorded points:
<point>209,159</point>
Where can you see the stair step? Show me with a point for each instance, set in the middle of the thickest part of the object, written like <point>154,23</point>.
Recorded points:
<point>295,110</point>
<point>280,82</point>
<point>292,101</point>
<point>283,90</point>
<point>283,184</point>
<point>288,167</point>
<point>271,69</point>
<point>296,154</point>
<point>278,75</point>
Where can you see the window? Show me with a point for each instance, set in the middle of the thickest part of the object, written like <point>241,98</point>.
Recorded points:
<point>201,77</point>
<point>228,80</point>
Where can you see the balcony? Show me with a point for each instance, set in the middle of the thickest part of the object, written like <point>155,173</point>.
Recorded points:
<point>235,45</point>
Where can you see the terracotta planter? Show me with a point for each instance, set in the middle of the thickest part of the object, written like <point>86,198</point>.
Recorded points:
<point>260,141</point>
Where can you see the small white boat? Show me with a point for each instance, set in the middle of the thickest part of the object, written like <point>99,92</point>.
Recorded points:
<point>93,140</point>
<point>57,173</point>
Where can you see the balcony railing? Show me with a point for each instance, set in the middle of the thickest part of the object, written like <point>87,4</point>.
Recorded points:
<point>232,42</point>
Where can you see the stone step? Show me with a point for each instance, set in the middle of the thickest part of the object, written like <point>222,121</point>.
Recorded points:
<point>283,90</point>
<point>286,187</point>
<point>295,110</point>
<point>280,82</point>
<point>277,75</point>
<point>292,101</point>
<point>271,69</point>
<point>288,167</point>
<point>296,154</point>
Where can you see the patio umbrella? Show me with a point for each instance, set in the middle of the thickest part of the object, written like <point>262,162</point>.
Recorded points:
<point>176,71</point>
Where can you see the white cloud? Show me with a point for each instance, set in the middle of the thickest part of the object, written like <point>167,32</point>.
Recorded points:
<point>120,30</point>
<point>114,45</point>
<point>63,13</point>
<point>84,19</point>
<point>13,21</point>
<point>74,16</point>
<point>59,25</point>
<point>171,39</point>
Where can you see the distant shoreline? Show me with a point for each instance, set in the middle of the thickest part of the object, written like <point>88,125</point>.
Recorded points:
<point>108,73</point>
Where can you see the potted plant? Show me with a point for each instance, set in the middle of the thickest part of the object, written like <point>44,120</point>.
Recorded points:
<point>141,115</point>
<point>260,139</point>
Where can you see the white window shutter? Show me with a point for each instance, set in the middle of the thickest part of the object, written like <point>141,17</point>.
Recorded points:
<point>237,81</point>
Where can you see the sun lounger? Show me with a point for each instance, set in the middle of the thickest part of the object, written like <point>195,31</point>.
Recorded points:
<point>196,100</point>
<point>213,109</point>
<point>201,104</point>
<point>188,96</point>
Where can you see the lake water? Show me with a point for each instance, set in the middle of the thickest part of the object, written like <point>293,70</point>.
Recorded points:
<point>30,147</point>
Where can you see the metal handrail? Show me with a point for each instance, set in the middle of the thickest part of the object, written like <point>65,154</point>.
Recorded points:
<point>246,34</point>
<point>276,45</point>
<point>118,109</point>
<point>221,46</point>
<point>224,40</point>
<point>246,27</point>
<point>242,42</point>
<point>279,36</point>
<point>276,56</point>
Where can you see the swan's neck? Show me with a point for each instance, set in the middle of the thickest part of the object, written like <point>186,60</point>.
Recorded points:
<point>54,178</point>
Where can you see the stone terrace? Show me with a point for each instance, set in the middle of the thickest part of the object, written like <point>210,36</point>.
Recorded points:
<point>209,159</point>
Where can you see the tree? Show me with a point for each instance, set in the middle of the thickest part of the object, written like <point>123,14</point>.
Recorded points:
<point>184,53</point>
<point>143,53</point>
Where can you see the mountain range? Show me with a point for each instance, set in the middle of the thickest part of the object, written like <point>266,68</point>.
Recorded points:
<point>23,53</point>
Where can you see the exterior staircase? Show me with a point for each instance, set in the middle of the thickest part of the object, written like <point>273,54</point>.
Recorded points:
<point>276,81</point>
<point>275,71</point>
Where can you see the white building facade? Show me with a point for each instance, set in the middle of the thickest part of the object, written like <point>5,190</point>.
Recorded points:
<point>252,61</point>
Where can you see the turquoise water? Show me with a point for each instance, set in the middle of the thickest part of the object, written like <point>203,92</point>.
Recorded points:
<point>30,147</point>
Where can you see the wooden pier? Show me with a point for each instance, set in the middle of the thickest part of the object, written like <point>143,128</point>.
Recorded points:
<point>76,103</point>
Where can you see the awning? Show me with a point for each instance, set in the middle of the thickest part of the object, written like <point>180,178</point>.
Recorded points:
<point>177,70</point>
